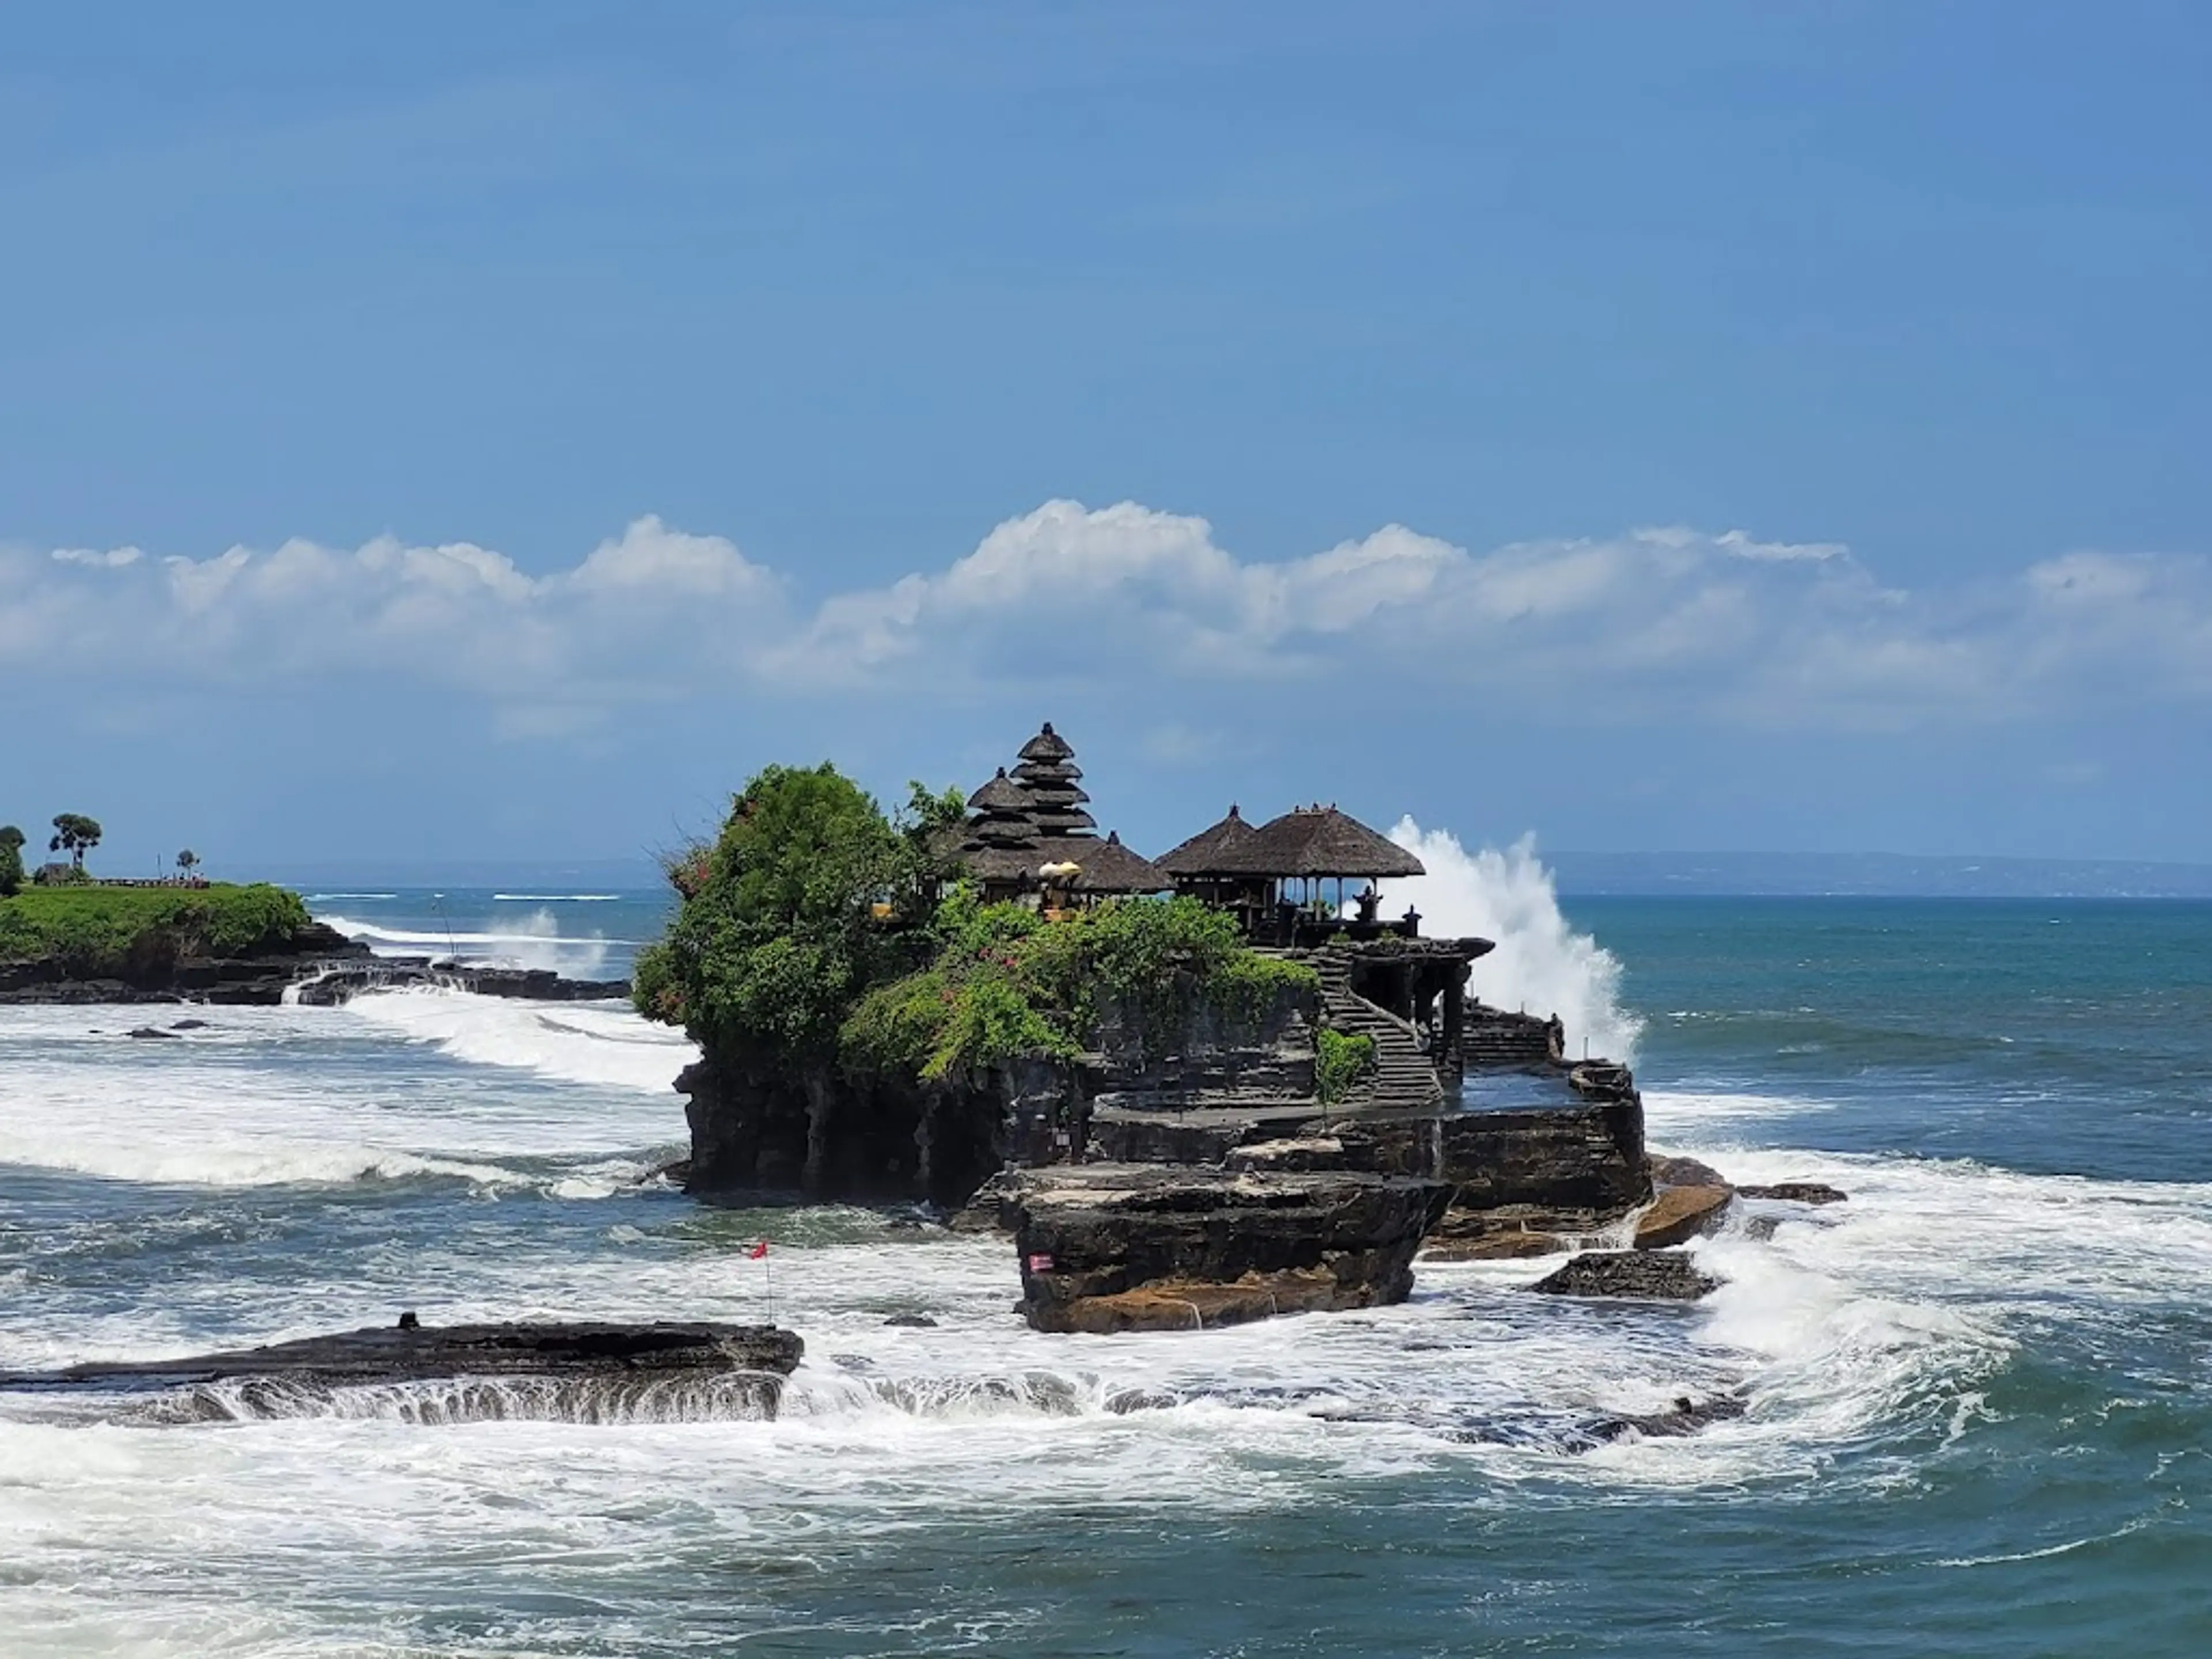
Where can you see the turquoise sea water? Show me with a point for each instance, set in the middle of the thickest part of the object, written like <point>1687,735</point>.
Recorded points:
<point>1978,1407</point>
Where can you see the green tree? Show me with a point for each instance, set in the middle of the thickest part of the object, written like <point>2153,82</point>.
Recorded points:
<point>75,834</point>
<point>11,860</point>
<point>782,925</point>
<point>187,862</point>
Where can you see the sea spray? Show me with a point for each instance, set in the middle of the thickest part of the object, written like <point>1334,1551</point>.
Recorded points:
<point>533,940</point>
<point>1541,964</point>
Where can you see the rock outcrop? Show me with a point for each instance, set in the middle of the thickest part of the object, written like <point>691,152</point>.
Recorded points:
<point>1151,1247</point>
<point>1646,1275</point>
<point>1795,1191</point>
<point>605,1369</point>
<point>340,982</point>
<point>156,972</point>
<point>1678,1214</point>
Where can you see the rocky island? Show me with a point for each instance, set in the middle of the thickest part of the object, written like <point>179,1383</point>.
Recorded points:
<point>1195,1091</point>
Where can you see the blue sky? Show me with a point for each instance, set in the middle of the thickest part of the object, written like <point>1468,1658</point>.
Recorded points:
<point>437,432</point>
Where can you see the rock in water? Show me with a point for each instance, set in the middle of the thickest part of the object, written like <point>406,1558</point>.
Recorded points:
<point>591,1371</point>
<point>1797,1192</point>
<point>1676,1171</point>
<point>1650,1275</point>
<point>1108,1246</point>
<point>1678,1214</point>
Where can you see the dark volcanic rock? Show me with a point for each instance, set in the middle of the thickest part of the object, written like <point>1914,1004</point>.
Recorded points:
<point>1676,1171</point>
<point>1686,1416</point>
<point>1651,1275</point>
<point>915,1322</point>
<point>1797,1192</point>
<point>342,983</point>
<point>1147,1247</point>
<point>155,1033</point>
<point>611,1369</point>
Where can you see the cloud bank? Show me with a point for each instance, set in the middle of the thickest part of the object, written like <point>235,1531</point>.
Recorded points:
<point>1671,623</point>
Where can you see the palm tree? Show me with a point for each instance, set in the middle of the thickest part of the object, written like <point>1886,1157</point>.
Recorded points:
<point>188,861</point>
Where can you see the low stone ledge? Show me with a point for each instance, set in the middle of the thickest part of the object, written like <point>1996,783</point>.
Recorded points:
<point>1641,1275</point>
<point>1259,1243</point>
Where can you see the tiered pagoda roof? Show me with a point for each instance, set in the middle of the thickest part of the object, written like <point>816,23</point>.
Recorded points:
<point>1020,823</point>
<point>1046,768</point>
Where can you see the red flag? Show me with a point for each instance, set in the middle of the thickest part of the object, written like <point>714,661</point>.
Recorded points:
<point>757,1251</point>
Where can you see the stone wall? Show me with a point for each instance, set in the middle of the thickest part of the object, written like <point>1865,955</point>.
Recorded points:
<point>1209,1058</point>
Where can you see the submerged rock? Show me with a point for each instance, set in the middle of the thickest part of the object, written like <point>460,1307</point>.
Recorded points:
<point>1684,1416</point>
<point>155,1033</point>
<point>1111,1247</point>
<point>1649,1275</point>
<point>594,1371</point>
<point>1796,1192</point>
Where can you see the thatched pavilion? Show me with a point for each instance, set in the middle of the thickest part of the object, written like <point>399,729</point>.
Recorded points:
<point>1290,859</point>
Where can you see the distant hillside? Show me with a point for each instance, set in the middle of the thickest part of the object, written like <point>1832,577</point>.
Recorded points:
<point>1873,875</point>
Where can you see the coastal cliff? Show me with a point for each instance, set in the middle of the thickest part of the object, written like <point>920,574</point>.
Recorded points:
<point>220,944</point>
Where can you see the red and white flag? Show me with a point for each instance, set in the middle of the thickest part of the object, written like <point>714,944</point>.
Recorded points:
<point>1040,1264</point>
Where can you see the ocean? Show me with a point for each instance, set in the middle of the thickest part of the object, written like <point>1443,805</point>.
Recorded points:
<point>1978,1407</point>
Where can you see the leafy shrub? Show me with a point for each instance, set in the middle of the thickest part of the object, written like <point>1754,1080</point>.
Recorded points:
<point>1341,1059</point>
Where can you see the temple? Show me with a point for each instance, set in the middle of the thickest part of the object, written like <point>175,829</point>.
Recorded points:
<point>1301,884</point>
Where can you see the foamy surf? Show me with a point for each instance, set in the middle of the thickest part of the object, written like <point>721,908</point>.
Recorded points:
<point>577,1043</point>
<point>535,941</point>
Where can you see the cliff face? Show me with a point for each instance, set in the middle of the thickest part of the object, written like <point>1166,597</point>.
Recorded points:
<point>161,965</point>
<point>760,1126</point>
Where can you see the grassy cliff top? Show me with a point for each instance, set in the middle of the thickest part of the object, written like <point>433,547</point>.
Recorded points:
<point>89,926</point>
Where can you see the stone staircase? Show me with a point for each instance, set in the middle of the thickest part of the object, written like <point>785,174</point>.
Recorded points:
<point>1403,1079</point>
<point>1499,1040</point>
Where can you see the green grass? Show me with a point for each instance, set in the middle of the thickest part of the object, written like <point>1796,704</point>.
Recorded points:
<point>93,929</point>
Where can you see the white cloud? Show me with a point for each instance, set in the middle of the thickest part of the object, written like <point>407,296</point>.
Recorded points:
<point>1668,622</point>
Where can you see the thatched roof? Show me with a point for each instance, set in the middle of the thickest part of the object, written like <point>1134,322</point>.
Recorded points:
<point>1002,794</point>
<point>1205,853</point>
<point>1107,867</point>
<point>1318,840</point>
<point>1072,822</point>
<point>1046,746</point>
<point>1015,865</point>
<point>1051,794</point>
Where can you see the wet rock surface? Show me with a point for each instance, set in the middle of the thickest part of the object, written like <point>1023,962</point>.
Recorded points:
<point>340,984</point>
<point>1149,1247</point>
<point>1645,1275</point>
<point>290,1377</point>
<point>1678,1214</point>
<point>1796,1192</point>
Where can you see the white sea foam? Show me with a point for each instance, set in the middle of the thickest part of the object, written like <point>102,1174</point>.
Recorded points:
<point>536,940</point>
<point>555,898</point>
<point>1541,964</point>
<point>580,1042</point>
